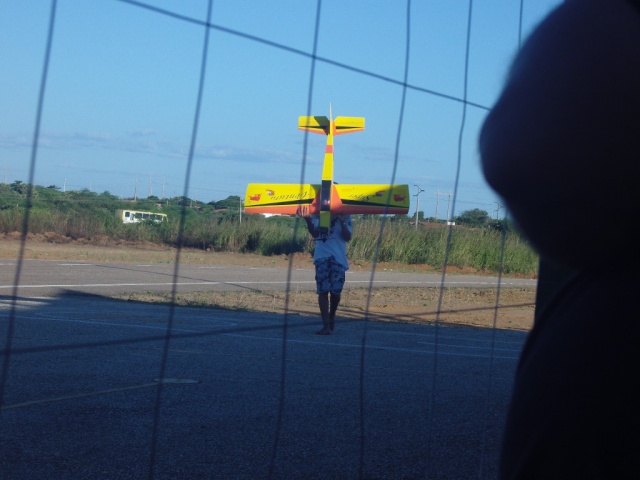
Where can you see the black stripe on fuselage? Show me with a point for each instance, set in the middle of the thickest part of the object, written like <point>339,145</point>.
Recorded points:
<point>325,196</point>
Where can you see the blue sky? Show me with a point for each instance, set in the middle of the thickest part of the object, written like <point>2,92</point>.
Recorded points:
<point>122,88</point>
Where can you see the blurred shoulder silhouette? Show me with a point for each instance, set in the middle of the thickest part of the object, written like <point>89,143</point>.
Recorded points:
<point>562,148</point>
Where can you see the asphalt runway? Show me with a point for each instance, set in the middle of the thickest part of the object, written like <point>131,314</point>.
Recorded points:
<point>52,277</point>
<point>94,388</point>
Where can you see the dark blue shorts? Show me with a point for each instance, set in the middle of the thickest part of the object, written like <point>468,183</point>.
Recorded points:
<point>330,276</point>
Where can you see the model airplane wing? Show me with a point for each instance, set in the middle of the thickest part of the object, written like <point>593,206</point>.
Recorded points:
<point>371,199</point>
<point>282,198</point>
<point>285,198</point>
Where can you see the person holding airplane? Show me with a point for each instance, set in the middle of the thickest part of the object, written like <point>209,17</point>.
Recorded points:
<point>330,261</point>
<point>562,148</point>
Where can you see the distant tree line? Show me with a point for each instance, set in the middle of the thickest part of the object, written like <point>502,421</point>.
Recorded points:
<point>476,240</point>
<point>16,194</point>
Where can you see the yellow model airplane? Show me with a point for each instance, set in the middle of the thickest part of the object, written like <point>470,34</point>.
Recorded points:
<point>328,197</point>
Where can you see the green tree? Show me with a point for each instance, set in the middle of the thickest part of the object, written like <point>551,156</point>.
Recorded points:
<point>232,202</point>
<point>20,188</point>
<point>473,218</point>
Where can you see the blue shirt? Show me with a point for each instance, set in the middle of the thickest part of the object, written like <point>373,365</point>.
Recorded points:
<point>335,245</point>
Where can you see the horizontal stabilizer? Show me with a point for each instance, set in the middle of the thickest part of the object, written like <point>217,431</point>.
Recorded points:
<point>314,124</point>
<point>322,125</point>
<point>348,125</point>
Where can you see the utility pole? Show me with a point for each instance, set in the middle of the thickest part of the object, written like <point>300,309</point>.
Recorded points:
<point>498,207</point>
<point>438,193</point>
<point>417,195</point>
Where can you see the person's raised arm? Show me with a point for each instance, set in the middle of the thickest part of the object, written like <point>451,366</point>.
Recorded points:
<point>303,212</point>
<point>347,227</point>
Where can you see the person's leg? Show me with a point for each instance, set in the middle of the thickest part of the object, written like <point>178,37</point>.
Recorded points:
<point>322,289</point>
<point>338,275</point>
<point>335,301</point>
<point>323,302</point>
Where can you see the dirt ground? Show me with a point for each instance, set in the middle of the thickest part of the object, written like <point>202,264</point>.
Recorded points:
<point>510,308</point>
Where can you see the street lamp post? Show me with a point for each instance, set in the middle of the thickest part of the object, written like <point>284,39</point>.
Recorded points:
<point>417,195</point>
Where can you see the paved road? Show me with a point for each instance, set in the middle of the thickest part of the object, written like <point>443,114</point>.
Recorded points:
<point>94,389</point>
<point>44,278</point>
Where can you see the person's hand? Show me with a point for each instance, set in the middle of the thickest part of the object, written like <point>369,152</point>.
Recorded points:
<point>303,211</point>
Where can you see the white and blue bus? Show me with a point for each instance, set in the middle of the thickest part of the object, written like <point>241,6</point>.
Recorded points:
<point>135,216</point>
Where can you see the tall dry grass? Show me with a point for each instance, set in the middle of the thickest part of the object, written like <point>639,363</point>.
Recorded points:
<point>374,239</point>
